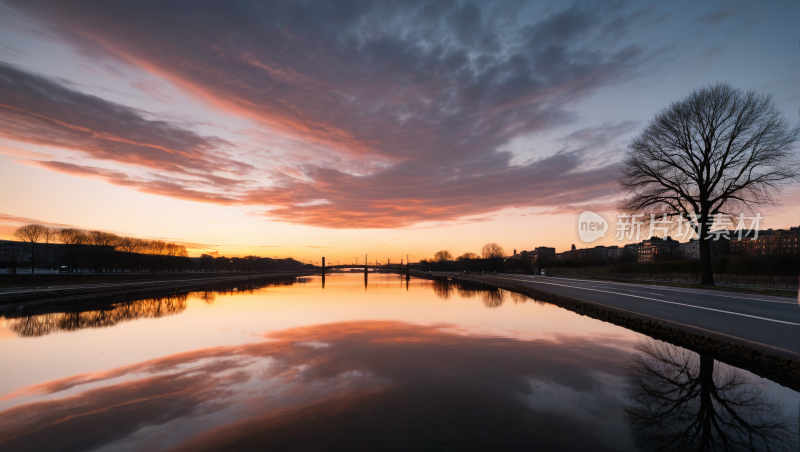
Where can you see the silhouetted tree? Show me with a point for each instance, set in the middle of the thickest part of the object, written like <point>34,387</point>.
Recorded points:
<point>139,246</point>
<point>128,245</point>
<point>720,150</point>
<point>50,236</point>
<point>101,240</point>
<point>442,256</point>
<point>467,256</point>
<point>159,249</point>
<point>76,241</point>
<point>683,401</point>
<point>492,250</point>
<point>31,233</point>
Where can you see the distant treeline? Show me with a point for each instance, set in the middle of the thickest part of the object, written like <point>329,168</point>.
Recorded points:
<point>769,266</point>
<point>97,251</point>
<point>778,271</point>
<point>248,264</point>
<point>498,264</point>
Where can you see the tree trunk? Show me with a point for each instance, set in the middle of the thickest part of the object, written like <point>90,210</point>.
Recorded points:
<point>706,269</point>
<point>707,412</point>
<point>33,257</point>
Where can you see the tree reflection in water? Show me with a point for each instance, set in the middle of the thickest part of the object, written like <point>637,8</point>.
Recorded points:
<point>681,401</point>
<point>100,315</point>
<point>443,290</point>
<point>43,324</point>
<point>492,297</point>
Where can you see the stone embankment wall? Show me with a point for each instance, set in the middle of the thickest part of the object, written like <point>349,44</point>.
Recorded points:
<point>778,365</point>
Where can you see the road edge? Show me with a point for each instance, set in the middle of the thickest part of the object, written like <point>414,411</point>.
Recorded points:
<point>777,364</point>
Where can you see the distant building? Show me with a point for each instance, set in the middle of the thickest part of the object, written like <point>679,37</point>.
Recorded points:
<point>631,249</point>
<point>771,241</point>
<point>543,255</point>
<point>656,249</point>
<point>614,253</point>
<point>47,254</point>
<point>690,249</point>
<point>600,253</point>
<point>13,250</point>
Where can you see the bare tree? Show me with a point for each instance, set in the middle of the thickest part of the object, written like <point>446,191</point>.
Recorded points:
<point>718,151</point>
<point>442,256</point>
<point>158,248</point>
<point>680,401</point>
<point>140,246</point>
<point>492,250</point>
<point>31,233</point>
<point>101,240</point>
<point>50,236</point>
<point>129,246</point>
<point>76,241</point>
<point>174,250</point>
<point>467,256</point>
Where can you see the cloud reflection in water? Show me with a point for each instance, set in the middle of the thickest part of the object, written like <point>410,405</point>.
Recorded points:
<point>363,385</point>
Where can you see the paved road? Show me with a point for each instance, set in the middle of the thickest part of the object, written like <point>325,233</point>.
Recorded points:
<point>765,319</point>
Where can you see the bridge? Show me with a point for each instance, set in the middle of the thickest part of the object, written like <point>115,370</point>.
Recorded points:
<point>362,267</point>
<point>394,268</point>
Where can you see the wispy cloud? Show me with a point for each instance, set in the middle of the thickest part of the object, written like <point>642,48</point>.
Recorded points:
<point>370,115</point>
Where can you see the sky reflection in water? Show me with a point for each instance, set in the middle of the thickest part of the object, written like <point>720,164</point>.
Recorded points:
<point>424,366</point>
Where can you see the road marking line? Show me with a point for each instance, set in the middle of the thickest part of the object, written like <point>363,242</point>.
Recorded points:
<point>670,302</point>
<point>681,289</point>
<point>699,292</point>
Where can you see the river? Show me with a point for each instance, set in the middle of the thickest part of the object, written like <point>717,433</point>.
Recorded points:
<point>381,364</point>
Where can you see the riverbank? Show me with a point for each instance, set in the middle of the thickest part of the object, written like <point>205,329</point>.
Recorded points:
<point>140,285</point>
<point>62,279</point>
<point>777,364</point>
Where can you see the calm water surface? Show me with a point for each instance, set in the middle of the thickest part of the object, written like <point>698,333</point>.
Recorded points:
<point>388,365</point>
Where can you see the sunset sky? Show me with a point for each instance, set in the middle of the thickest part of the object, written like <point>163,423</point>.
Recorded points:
<point>335,129</point>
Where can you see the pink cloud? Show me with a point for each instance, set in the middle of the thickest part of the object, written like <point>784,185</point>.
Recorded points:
<point>391,129</point>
